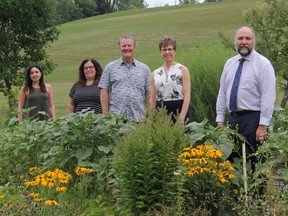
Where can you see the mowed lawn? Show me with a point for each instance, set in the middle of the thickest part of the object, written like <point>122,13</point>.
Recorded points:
<point>97,37</point>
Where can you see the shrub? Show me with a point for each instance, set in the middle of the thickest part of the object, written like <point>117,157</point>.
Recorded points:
<point>147,166</point>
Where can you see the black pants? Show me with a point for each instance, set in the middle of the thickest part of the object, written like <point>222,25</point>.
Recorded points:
<point>174,108</point>
<point>247,122</point>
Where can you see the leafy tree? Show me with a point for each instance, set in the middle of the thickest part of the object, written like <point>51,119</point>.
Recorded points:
<point>106,6</point>
<point>270,22</point>
<point>128,4</point>
<point>26,29</point>
<point>86,7</point>
<point>66,11</point>
<point>181,2</point>
<point>109,6</point>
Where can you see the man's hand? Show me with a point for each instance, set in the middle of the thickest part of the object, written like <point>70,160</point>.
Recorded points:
<point>261,133</point>
<point>221,126</point>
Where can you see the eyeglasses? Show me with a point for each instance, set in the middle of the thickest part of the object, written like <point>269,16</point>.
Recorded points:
<point>89,67</point>
<point>165,50</point>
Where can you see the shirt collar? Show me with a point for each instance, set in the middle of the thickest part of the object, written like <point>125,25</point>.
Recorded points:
<point>122,62</point>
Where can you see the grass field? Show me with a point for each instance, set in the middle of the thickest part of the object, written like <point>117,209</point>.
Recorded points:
<point>97,37</point>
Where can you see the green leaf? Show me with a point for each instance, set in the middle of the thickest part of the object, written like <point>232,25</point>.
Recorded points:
<point>82,154</point>
<point>105,149</point>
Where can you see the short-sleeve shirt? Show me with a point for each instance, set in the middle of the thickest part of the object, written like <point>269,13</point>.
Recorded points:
<point>169,86</point>
<point>127,86</point>
<point>85,97</point>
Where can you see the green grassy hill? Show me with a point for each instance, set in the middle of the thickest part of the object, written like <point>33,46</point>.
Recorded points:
<point>97,37</point>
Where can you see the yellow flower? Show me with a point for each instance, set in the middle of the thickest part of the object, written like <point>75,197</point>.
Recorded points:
<point>222,179</point>
<point>51,202</point>
<point>228,165</point>
<point>32,169</point>
<point>213,171</point>
<point>50,184</point>
<point>37,199</point>
<point>82,170</point>
<point>44,182</point>
<point>2,196</point>
<point>214,153</point>
<point>229,174</point>
<point>192,172</point>
<point>204,147</point>
<point>59,189</point>
<point>30,183</point>
<point>34,195</point>
<point>64,181</point>
<point>201,169</point>
<point>185,155</point>
<point>187,149</point>
<point>51,174</point>
<point>39,178</point>
<point>202,160</point>
<point>206,169</point>
<point>199,153</point>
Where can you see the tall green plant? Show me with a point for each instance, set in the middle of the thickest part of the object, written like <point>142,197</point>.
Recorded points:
<point>146,164</point>
<point>205,68</point>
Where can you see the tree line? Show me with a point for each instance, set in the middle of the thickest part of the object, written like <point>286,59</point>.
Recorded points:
<point>69,10</point>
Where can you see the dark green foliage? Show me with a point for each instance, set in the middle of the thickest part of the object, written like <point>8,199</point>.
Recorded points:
<point>27,28</point>
<point>275,149</point>
<point>204,133</point>
<point>146,163</point>
<point>82,139</point>
<point>269,21</point>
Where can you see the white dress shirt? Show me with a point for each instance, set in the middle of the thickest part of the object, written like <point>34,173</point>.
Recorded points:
<point>257,87</point>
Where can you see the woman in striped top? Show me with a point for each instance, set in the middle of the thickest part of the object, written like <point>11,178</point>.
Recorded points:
<point>85,94</point>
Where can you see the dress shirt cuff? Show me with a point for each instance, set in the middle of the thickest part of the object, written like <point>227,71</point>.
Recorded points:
<point>220,118</point>
<point>264,121</point>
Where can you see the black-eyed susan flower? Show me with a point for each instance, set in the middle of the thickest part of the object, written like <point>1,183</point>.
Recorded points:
<point>61,188</point>
<point>82,170</point>
<point>51,202</point>
<point>192,172</point>
<point>38,199</point>
<point>30,183</point>
<point>64,181</point>
<point>34,195</point>
<point>206,159</point>
<point>214,153</point>
<point>32,169</point>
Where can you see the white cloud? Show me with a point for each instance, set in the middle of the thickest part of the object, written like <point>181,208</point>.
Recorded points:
<point>158,3</point>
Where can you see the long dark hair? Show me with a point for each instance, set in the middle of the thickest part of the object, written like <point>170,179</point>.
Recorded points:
<point>82,79</point>
<point>28,81</point>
